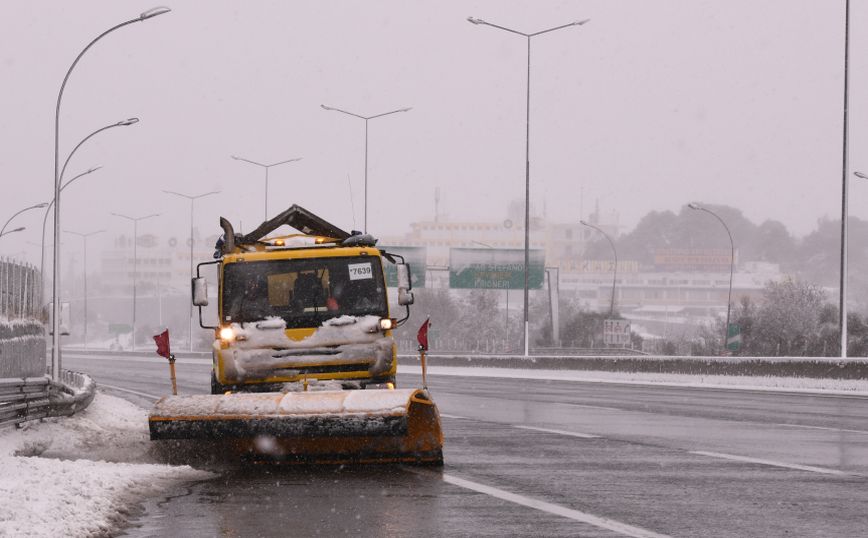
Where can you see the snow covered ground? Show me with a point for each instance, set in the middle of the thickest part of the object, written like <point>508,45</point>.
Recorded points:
<point>768,383</point>
<point>80,476</point>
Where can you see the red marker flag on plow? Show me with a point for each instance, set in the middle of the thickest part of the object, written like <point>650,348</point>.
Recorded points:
<point>162,341</point>
<point>422,336</point>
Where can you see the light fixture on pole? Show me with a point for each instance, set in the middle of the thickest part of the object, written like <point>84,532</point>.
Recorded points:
<point>266,166</point>
<point>55,300</point>
<point>366,118</point>
<point>84,238</point>
<point>192,200</point>
<point>37,206</point>
<point>19,229</point>
<point>135,221</point>
<point>698,207</point>
<point>614,271</point>
<point>476,21</point>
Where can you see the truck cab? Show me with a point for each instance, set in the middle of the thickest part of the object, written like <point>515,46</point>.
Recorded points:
<point>311,313</point>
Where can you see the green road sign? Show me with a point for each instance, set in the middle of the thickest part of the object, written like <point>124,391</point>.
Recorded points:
<point>119,328</point>
<point>496,269</point>
<point>733,337</point>
<point>416,257</point>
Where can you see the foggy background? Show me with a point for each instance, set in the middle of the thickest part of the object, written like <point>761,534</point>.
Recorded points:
<point>649,106</point>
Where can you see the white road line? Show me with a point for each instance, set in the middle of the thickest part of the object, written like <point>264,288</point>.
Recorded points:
<point>824,428</point>
<point>575,515</point>
<point>444,415</point>
<point>137,393</point>
<point>559,432</point>
<point>785,465</point>
<point>156,359</point>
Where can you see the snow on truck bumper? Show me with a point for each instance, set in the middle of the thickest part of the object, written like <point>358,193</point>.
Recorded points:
<point>346,347</point>
<point>277,364</point>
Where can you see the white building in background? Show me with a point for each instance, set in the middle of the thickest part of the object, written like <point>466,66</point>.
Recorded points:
<point>162,262</point>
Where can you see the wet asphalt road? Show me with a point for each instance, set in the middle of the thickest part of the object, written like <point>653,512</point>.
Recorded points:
<point>548,459</point>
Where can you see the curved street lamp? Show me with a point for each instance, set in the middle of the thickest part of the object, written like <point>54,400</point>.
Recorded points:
<point>476,21</point>
<point>366,118</point>
<point>55,300</point>
<point>266,166</point>
<point>192,199</point>
<point>698,207</point>
<point>615,272</point>
<point>37,206</point>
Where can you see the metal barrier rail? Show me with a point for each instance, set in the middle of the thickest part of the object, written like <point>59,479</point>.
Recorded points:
<point>31,398</point>
<point>813,367</point>
<point>24,399</point>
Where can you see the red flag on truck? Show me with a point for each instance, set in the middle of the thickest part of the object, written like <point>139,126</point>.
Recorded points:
<point>422,336</point>
<point>162,341</point>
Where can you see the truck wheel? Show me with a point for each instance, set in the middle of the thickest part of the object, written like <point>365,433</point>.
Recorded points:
<point>217,388</point>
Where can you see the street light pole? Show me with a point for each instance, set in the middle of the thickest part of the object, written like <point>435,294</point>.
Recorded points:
<point>473,20</point>
<point>84,238</point>
<point>615,271</point>
<point>366,118</point>
<point>55,302</point>
<point>192,199</point>
<point>266,166</point>
<point>37,206</point>
<point>731,265</point>
<point>845,202</point>
<point>135,221</point>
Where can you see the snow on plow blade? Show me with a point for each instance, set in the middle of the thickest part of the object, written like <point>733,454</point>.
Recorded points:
<point>363,426</point>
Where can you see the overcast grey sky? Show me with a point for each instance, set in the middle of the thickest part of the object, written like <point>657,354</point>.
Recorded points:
<point>650,105</point>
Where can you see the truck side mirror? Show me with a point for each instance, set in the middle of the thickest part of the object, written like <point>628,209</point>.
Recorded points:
<point>200,291</point>
<point>405,284</point>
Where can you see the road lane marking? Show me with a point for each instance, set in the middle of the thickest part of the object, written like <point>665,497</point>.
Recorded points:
<point>559,432</point>
<point>135,392</point>
<point>785,465</point>
<point>444,415</point>
<point>543,506</point>
<point>116,358</point>
<point>824,428</point>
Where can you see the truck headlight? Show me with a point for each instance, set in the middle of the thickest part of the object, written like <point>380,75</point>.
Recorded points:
<point>227,334</point>
<point>387,324</point>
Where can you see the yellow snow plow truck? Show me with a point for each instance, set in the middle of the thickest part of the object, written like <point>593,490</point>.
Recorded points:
<point>304,361</point>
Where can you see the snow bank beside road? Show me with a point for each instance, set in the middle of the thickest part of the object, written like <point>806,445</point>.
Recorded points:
<point>80,476</point>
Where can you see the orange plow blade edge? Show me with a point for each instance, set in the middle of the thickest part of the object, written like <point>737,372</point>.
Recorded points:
<point>342,426</point>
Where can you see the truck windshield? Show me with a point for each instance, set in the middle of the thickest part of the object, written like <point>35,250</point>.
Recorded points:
<point>304,292</point>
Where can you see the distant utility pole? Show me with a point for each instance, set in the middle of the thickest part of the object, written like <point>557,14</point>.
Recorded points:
<point>366,118</point>
<point>528,37</point>
<point>192,199</point>
<point>266,166</point>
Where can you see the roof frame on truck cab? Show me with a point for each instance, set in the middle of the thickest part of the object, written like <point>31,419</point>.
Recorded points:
<point>296,217</point>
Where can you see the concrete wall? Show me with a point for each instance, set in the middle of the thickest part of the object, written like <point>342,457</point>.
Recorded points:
<point>22,349</point>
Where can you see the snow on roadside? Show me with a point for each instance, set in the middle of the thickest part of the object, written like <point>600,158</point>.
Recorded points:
<point>767,383</point>
<point>81,475</point>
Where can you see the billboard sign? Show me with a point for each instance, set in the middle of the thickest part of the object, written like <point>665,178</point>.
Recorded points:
<point>495,269</point>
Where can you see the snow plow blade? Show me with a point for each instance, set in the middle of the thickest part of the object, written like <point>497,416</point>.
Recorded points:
<point>343,426</point>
